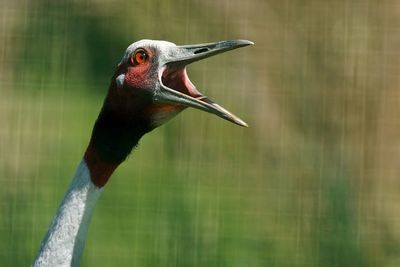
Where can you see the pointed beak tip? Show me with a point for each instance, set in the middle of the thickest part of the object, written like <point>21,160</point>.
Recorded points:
<point>249,42</point>
<point>242,123</point>
<point>244,42</point>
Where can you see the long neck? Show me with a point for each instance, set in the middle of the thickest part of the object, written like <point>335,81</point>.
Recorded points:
<point>65,239</point>
<point>115,133</point>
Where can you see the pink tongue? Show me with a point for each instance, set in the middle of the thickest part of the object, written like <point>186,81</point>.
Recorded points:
<point>179,81</point>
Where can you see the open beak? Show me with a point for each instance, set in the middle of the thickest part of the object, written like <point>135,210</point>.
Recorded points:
<point>176,87</point>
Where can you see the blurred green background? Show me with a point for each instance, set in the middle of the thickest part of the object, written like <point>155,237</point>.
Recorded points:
<point>314,181</point>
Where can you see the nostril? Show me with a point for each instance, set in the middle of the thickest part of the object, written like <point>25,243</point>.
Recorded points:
<point>201,50</point>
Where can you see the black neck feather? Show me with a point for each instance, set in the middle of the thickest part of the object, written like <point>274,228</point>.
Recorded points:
<point>115,134</point>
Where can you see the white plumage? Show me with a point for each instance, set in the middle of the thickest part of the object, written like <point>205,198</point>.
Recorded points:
<point>65,239</point>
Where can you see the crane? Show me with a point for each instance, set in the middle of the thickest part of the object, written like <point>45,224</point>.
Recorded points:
<point>150,86</point>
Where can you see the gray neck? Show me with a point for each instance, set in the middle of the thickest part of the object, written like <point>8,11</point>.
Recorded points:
<point>65,239</point>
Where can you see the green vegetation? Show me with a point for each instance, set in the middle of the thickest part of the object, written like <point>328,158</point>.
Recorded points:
<point>314,181</point>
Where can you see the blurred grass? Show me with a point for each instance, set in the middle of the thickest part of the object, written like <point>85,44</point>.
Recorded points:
<point>312,182</point>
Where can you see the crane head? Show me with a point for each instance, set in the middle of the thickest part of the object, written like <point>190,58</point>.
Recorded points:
<point>152,75</point>
<point>149,87</point>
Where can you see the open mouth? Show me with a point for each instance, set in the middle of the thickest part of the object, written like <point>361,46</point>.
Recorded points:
<point>176,78</point>
<point>176,87</point>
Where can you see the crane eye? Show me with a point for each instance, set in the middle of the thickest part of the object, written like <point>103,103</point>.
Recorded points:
<point>139,57</point>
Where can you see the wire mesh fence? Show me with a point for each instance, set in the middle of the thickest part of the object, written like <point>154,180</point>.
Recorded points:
<point>314,180</point>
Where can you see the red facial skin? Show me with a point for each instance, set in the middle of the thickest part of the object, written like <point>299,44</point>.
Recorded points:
<point>140,79</point>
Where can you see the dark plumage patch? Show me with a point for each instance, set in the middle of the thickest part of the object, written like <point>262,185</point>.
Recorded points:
<point>113,138</point>
<point>115,135</point>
